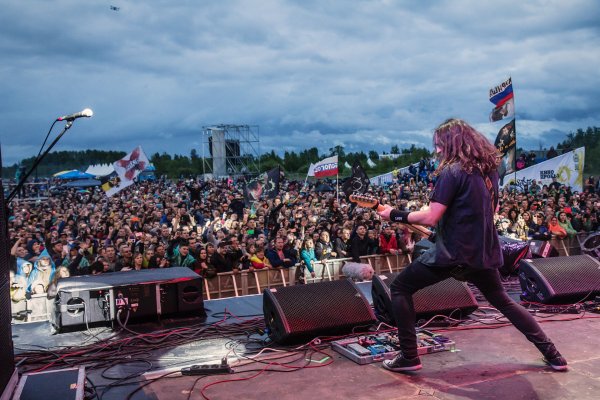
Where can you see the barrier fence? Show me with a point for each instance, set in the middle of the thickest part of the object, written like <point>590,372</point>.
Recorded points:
<point>235,284</point>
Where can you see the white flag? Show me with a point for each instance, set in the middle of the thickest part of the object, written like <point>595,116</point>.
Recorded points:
<point>370,163</point>
<point>347,165</point>
<point>311,170</point>
<point>127,169</point>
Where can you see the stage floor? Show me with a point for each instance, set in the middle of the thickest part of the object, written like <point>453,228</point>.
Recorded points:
<point>489,364</point>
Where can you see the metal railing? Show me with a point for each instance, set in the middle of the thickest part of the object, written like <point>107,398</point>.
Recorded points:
<point>243,283</point>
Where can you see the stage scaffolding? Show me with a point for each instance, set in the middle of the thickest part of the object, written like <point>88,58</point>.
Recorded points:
<point>230,150</point>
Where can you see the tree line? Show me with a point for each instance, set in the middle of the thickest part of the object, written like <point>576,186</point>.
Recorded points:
<point>295,164</point>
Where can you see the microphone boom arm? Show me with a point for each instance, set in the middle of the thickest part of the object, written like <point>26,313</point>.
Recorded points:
<point>38,160</point>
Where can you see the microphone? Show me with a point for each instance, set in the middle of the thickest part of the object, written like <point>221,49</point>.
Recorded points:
<point>84,113</point>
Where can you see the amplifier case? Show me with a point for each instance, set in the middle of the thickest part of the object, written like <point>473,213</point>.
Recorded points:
<point>139,295</point>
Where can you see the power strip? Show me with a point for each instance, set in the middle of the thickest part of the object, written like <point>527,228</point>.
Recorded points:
<point>573,309</point>
<point>211,369</point>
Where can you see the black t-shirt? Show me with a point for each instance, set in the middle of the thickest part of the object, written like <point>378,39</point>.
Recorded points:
<point>465,235</point>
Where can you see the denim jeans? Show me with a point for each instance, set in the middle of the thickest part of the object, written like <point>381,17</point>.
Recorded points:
<point>417,276</point>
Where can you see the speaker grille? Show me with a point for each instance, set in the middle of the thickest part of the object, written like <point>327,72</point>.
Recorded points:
<point>297,312</point>
<point>560,278</point>
<point>444,298</point>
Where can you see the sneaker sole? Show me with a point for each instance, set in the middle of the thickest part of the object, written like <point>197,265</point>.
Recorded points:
<point>556,367</point>
<point>403,369</point>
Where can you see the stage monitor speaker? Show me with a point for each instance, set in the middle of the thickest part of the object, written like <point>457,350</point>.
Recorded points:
<point>542,249</point>
<point>560,280</point>
<point>512,252</point>
<point>448,297</point>
<point>591,245</point>
<point>294,314</point>
<point>133,295</point>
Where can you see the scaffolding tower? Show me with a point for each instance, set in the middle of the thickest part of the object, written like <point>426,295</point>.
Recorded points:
<point>230,150</point>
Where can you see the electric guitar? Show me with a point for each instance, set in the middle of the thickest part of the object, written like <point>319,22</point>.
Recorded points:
<point>367,201</point>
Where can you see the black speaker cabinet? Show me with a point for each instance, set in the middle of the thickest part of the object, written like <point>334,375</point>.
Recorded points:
<point>132,295</point>
<point>446,297</point>
<point>560,280</point>
<point>294,314</point>
<point>542,249</point>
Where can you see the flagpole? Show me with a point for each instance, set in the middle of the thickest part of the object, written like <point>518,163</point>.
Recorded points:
<point>337,187</point>
<point>305,180</point>
<point>515,119</point>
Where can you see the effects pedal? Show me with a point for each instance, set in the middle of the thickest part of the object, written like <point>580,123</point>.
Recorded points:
<point>385,346</point>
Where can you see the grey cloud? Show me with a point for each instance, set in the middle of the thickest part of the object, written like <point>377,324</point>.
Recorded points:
<point>362,73</point>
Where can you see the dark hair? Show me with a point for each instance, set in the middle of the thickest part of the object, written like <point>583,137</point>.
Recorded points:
<point>462,144</point>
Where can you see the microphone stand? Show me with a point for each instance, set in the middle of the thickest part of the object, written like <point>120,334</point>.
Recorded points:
<point>37,161</point>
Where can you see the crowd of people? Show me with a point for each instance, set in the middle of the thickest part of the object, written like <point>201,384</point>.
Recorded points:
<point>208,227</point>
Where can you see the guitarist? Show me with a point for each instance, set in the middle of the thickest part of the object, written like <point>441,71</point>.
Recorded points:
<point>466,246</point>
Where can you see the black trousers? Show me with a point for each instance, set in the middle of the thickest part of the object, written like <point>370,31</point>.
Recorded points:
<point>417,276</point>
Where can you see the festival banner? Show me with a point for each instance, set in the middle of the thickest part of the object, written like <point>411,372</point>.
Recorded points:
<point>503,98</point>
<point>265,186</point>
<point>358,181</point>
<point>566,168</point>
<point>326,167</point>
<point>126,170</point>
<point>506,143</point>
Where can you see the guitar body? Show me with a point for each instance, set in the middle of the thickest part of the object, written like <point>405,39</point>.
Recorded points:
<point>366,201</point>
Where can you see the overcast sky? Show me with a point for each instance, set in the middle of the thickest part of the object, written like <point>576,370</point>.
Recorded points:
<point>362,74</point>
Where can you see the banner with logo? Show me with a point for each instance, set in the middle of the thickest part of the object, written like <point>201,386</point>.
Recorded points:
<point>264,186</point>
<point>567,169</point>
<point>506,143</point>
<point>126,170</point>
<point>358,182</point>
<point>326,167</point>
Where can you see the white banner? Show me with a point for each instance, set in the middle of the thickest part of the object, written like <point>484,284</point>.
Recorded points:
<point>567,169</point>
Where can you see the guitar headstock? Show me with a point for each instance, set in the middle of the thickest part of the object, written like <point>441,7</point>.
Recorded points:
<point>363,200</point>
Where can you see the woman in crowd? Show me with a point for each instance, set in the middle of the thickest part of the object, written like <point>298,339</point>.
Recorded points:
<point>565,223</point>
<point>138,261</point>
<point>555,229</point>
<point>148,254</point>
<point>61,272</point>
<point>308,257</point>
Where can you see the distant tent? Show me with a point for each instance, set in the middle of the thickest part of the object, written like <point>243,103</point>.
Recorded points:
<point>73,174</point>
<point>82,183</point>
<point>107,169</point>
<point>100,169</point>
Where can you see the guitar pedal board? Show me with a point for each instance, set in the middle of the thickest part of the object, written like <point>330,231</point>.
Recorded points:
<point>385,346</point>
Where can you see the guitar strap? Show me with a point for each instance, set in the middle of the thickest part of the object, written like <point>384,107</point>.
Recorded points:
<point>490,187</point>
